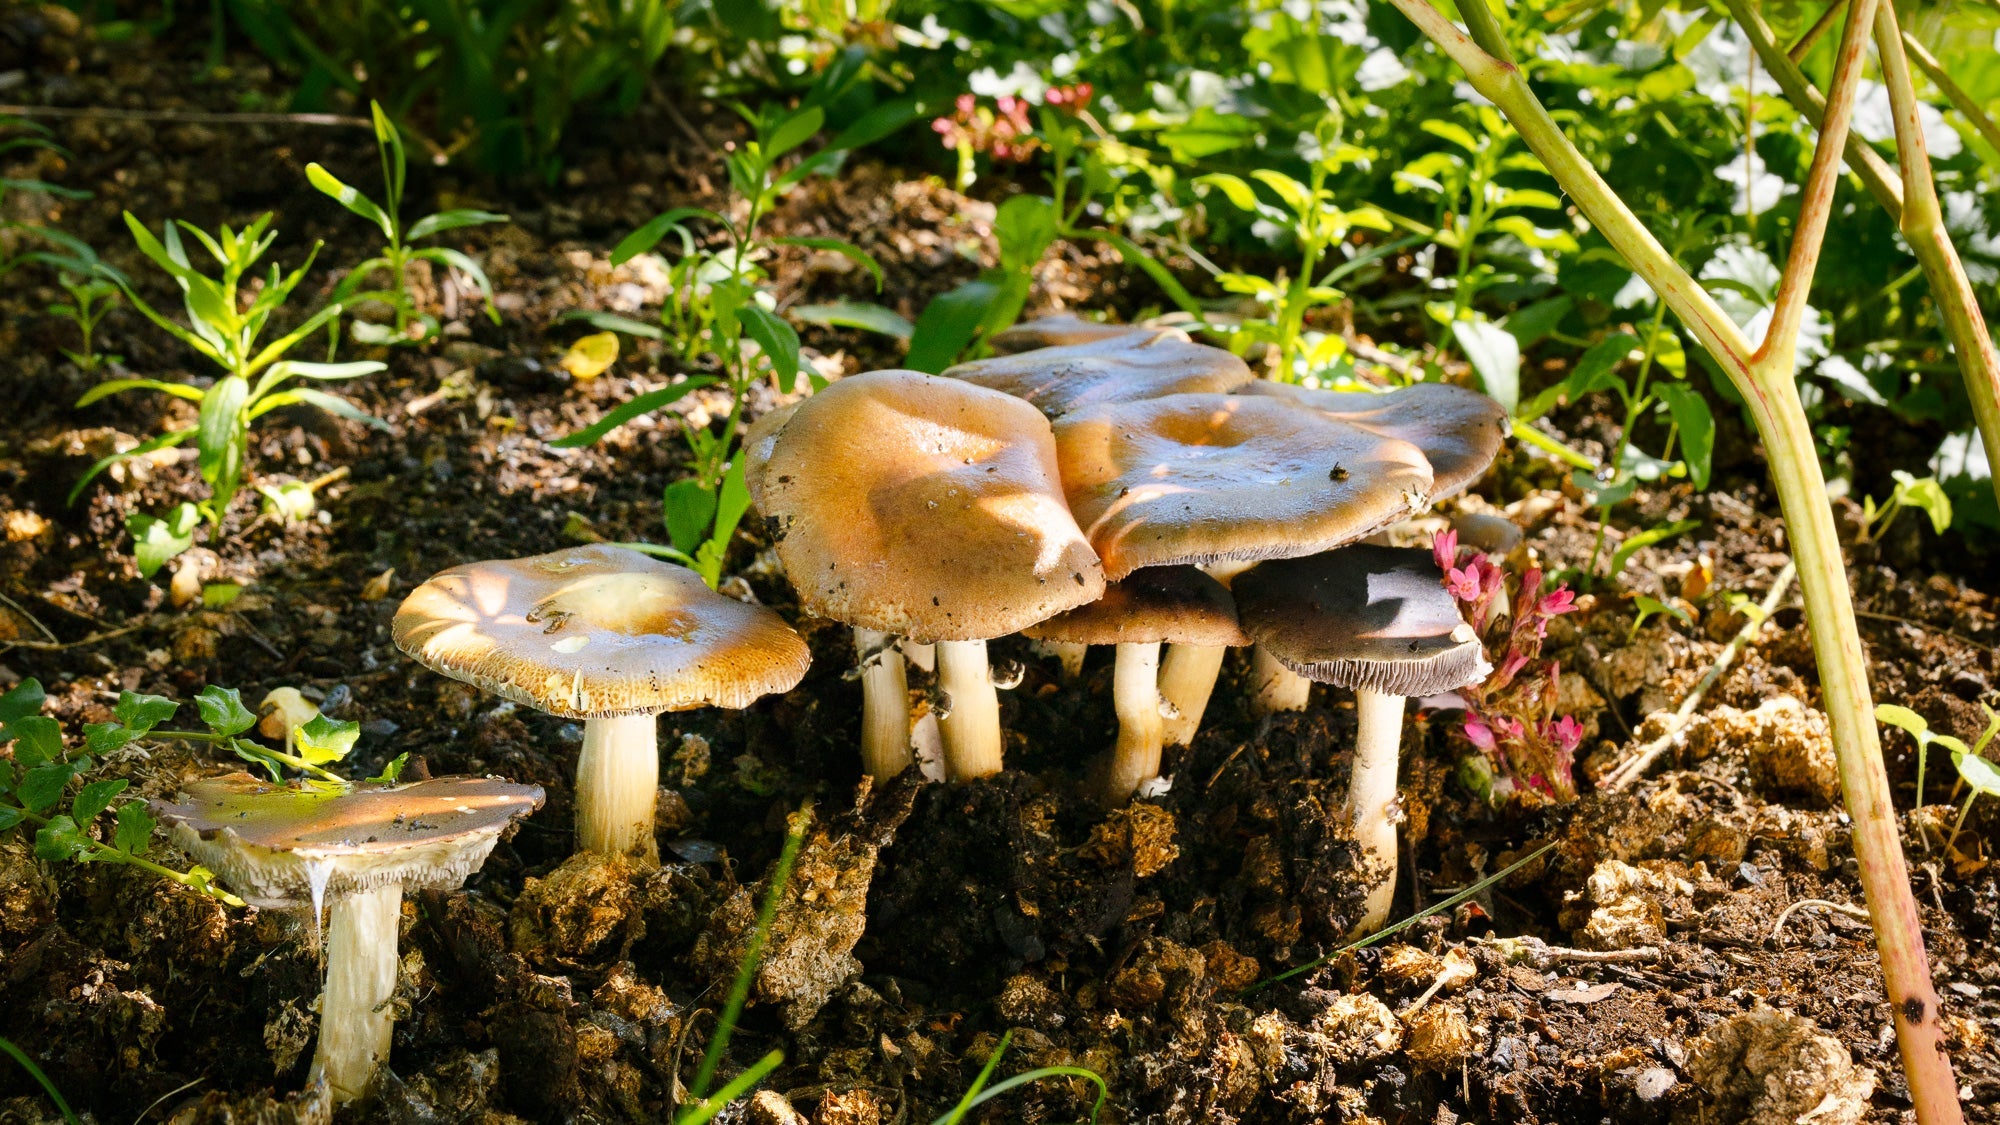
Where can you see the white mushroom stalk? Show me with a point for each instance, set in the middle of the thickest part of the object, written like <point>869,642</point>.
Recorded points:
<point>1070,654</point>
<point>1372,807</point>
<point>1277,688</point>
<point>885,705</point>
<point>617,786</point>
<point>1187,680</point>
<point>973,747</point>
<point>356,1020</point>
<point>1135,696</point>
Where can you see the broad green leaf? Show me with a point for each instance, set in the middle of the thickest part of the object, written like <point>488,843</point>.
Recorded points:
<point>220,427</point>
<point>394,770</point>
<point>23,699</point>
<point>689,511</point>
<point>43,786</point>
<point>1495,355</point>
<point>141,712</point>
<point>642,404</point>
<point>779,340</point>
<point>36,738</point>
<point>1902,718</point>
<point>156,539</point>
<point>451,220</point>
<point>103,738</point>
<point>1978,773</point>
<point>1697,429</point>
<point>325,740</point>
<point>1927,495</point>
<point>1530,324</point>
<point>95,798</point>
<point>350,198</point>
<point>1597,368</point>
<point>1233,188</point>
<point>1025,226</point>
<point>222,711</point>
<point>60,840</point>
<point>218,595</point>
<point>1648,606</point>
<point>1450,131</point>
<point>947,325</point>
<point>135,828</point>
<point>794,131</point>
<point>1295,194</point>
<point>856,314</point>
<point>10,816</point>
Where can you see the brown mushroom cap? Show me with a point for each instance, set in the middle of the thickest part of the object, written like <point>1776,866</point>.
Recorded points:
<point>590,632</point>
<point>1459,430</point>
<point>1057,331</point>
<point>1175,604</point>
<point>1120,368</point>
<point>926,507</point>
<point>1363,617</point>
<point>285,845</point>
<point>758,441</point>
<point>1204,478</point>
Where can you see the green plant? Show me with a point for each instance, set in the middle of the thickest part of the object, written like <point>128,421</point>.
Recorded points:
<point>1926,495</point>
<point>398,255</point>
<point>1765,376</point>
<point>225,328</point>
<point>90,298</point>
<point>18,135</point>
<point>721,311</point>
<point>1907,720</point>
<point>18,1055</point>
<point>979,1093</point>
<point>35,783</point>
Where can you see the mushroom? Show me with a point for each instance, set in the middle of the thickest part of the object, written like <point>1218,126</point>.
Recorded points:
<point>1210,478</point>
<point>353,851</point>
<point>1056,331</point>
<point>931,509</point>
<point>1459,430</point>
<point>1169,603</point>
<point>1130,365</point>
<point>1377,620</point>
<point>612,637</point>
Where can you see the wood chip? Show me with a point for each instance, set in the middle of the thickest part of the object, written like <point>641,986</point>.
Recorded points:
<point>1588,994</point>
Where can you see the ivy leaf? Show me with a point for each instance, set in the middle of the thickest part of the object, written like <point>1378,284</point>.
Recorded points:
<point>9,817</point>
<point>142,712</point>
<point>223,711</point>
<point>24,699</point>
<point>103,738</point>
<point>325,740</point>
<point>59,840</point>
<point>95,798</point>
<point>43,786</point>
<point>36,738</point>
<point>156,539</point>
<point>135,828</point>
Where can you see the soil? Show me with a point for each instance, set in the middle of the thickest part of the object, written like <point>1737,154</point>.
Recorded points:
<point>1685,940</point>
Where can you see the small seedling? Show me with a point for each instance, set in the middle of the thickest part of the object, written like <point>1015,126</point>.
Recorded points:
<point>1918,728</point>
<point>35,783</point>
<point>70,253</point>
<point>979,1093</point>
<point>222,327</point>
<point>90,298</point>
<point>1926,495</point>
<point>1647,607</point>
<point>397,256</point>
<point>1982,776</point>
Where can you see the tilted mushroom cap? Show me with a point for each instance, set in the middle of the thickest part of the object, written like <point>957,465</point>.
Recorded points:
<point>925,507</point>
<point>1121,368</point>
<point>1204,478</point>
<point>1459,430</point>
<point>1175,604</point>
<point>758,441</point>
<point>283,845</point>
<point>1363,617</point>
<point>1058,331</point>
<point>595,631</point>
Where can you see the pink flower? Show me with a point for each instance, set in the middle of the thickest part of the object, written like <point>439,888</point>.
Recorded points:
<point>1566,733</point>
<point>1557,602</point>
<point>1444,548</point>
<point>1478,732</point>
<point>1463,585</point>
<point>966,104</point>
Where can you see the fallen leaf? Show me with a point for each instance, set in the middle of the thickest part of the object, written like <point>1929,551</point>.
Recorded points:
<point>588,357</point>
<point>378,587</point>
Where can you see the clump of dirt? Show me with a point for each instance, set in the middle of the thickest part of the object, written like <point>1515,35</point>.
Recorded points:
<point>1768,1067</point>
<point>1624,906</point>
<point>1787,746</point>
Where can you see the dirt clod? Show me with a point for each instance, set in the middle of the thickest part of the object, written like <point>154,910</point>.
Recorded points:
<point>1627,905</point>
<point>1438,1037</point>
<point>1789,747</point>
<point>576,910</point>
<point>1767,1067</point>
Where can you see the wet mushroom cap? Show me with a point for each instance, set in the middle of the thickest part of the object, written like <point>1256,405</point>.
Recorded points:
<point>1121,368</point>
<point>925,507</point>
<point>591,632</point>
<point>270,843</point>
<point>1174,604</point>
<point>1364,617</point>
<point>758,440</point>
<point>1459,430</point>
<point>1207,478</point>
<point>1058,331</point>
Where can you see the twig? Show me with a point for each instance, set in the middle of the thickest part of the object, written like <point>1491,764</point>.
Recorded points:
<point>190,116</point>
<point>32,619</point>
<point>51,646</point>
<point>1541,956</point>
<point>1933,630</point>
<point>1628,771</point>
<point>1837,907</point>
<point>1825,20</point>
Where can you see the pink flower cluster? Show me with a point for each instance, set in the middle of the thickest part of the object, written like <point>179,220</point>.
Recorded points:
<point>1004,131</point>
<point>1511,716</point>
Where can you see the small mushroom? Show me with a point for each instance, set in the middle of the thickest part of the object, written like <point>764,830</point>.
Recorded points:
<point>1377,620</point>
<point>930,509</point>
<point>609,636</point>
<point>1171,603</point>
<point>355,852</point>
<point>1057,331</point>
<point>1459,430</point>
<point>1124,367</point>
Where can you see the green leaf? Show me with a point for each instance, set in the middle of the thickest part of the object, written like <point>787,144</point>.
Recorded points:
<point>141,712</point>
<point>325,740</point>
<point>163,441</point>
<point>220,427</point>
<point>642,404</point>
<point>350,198</point>
<point>947,325</point>
<point>1697,428</point>
<point>135,828</point>
<point>10,816</point>
<point>156,539</point>
<point>23,699</point>
<point>1902,718</point>
<point>1977,772</point>
<point>119,386</point>
<point>286,369</point>
<point>332,404</point>
<point>43,786</point>
<point>103,738</point>
<point>1649,606</point>
<point>842,247</point>
<point>394,770</point>
<point>451,220</point>
<point>856,314</point>
<point>1530,324</point>
<point>612,322</point>
<point>1647,538</point>
<point>1495,355</point>
<point>1234,188</point>
<point>60,840</point>
<point>1025,226</point>
<point>1927,495</point>
<point>1598,368</point>
<point>779,340</point>
<point>95,798</point>
<point>36,738</point>
<point>689,511</point>
<point>222,711</point>
<point>1451,131</point>
<point>794,131</point>
<point>1296,195</point>
<point>656,228</point>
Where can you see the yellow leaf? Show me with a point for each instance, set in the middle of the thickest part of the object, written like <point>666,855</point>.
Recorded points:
<point>588,357</point>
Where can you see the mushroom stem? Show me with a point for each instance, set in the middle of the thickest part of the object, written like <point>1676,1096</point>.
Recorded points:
<point>885,705</point>
<point>1187,679</point>
<point>355,1019</point>
<point>1070,653</point>
<point>617,786</point>
<point>1135,695</point>
<point>1278,687</point>
<point>971,730</point>
<point>1371,797</point>
<point>922,655</point>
